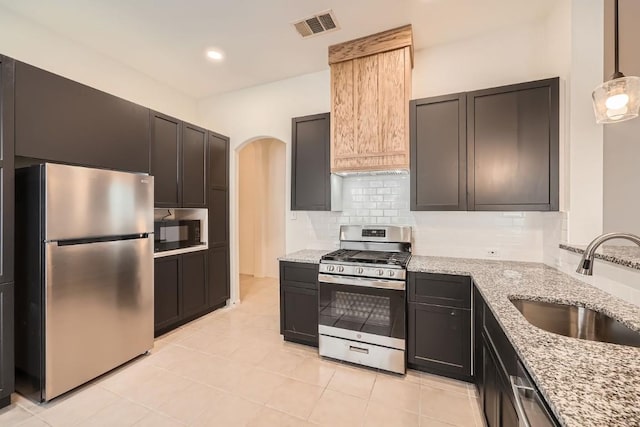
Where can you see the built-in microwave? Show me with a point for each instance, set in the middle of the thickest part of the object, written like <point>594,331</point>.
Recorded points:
<point>176,234</point>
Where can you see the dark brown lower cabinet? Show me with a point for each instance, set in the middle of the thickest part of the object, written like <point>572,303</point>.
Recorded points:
<point>440,339</point>
<point>439,324</point>
<point>194,283</point>
<point>496,361</point>
<point>6,344</point>
<point>167,295</point>
<point>181,290</point>
<point>299,302</point>
<point>491,388</point>
<point>219,291</point>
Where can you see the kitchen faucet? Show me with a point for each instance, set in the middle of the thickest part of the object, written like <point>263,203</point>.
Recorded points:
<point>586,263</point>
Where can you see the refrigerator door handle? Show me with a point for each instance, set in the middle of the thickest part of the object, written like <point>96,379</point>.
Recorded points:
<point>69,242</point>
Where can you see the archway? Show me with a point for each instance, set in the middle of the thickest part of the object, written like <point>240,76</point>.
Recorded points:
<point>261,211</point>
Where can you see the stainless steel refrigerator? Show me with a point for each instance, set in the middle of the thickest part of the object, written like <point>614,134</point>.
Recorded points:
<point>84,275</point>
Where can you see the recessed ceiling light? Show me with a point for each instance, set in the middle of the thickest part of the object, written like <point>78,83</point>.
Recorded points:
<point>215,54</point>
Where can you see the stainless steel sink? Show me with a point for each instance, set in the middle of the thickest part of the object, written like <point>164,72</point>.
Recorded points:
<point>576,322</point>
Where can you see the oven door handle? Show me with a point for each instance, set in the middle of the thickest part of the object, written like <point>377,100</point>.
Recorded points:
<point>398,285</point>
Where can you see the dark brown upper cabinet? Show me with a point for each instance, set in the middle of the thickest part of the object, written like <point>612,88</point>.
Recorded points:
<point>194,166</point>
<point>178,158</point>
<point>310,163</point>
<point>61,120</point>
<point>439,153</point>
<point>165,159</point>
<point>488,150</point>
<point>218,161</point>
<point>512,147</point>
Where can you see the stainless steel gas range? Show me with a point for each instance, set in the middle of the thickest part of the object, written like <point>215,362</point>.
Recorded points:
<point>362,297</point>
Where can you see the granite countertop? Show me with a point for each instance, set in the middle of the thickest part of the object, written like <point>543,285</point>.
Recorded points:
<point>309,256</point>
<point>628,256</point>
<point>586,383</point>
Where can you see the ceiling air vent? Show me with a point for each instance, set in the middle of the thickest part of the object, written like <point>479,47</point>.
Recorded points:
<point>319,23</point>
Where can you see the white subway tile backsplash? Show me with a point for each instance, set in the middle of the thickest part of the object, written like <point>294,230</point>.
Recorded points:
<point>384,199</point>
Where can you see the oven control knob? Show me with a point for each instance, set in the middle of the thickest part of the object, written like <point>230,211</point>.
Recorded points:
<point>331,268</point>
<point>392,273</point>
<point>359,270</point>
<point>380,272</point>
<point>340,269</point>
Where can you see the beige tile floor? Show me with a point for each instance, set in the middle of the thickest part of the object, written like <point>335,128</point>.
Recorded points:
<point>232,368</point>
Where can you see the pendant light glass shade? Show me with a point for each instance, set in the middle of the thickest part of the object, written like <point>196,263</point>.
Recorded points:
<point>617,100</point>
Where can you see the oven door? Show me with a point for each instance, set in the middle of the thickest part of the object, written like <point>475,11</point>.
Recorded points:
<point>362,309</point>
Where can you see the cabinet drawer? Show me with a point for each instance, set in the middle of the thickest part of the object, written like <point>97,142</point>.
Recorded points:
<point>440,289</point>
<point>299,274</point>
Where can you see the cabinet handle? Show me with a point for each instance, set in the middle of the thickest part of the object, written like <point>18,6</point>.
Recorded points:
<point>453,313</point>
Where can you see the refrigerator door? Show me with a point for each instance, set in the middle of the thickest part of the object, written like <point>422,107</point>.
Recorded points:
<point>83,202</point>
<point>98,309</point>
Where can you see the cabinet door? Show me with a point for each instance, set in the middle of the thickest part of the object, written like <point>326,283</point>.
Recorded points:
<point>439,153</point>
<point>310,163</point>
<point>218,217</point>
<point>299,314</point>
<point>394,77</point>
<point>7,69</point>
<point>166,133</point>
<point>62,120</point>
<point>194,283</point>
<point>219,291</point>
<point>440,339</point>
<point>218,202</point>
<point>6,344</point>
<point>491,402</point>
<point>167,292</point>
<point>194,158</point>
<point>478,357</point>
<point>218,161</point>
<point>512,135</point>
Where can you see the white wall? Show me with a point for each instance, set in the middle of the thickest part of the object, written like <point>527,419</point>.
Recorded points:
<point>509,56</point>
<point>261,213</point>
<point>512,56</point>
<point>31,43</point>
<point>585,168</point>
<point>247,208</point>
<point>622,140</point>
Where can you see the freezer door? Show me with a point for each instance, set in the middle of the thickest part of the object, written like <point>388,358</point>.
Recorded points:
<point>98,309</point>
<point>83,202</point>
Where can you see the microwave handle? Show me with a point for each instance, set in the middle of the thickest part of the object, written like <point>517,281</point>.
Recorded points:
<point>523,421</point>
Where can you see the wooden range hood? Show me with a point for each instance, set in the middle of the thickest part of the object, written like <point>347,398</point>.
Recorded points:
<point>370,92</point>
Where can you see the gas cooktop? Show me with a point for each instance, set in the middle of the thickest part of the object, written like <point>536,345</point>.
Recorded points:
<point>368,257</point>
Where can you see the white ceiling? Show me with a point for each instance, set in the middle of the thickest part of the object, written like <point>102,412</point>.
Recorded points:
<point>166,39</point>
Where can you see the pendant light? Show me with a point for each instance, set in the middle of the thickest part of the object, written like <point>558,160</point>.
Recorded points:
<point>617,99</point>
